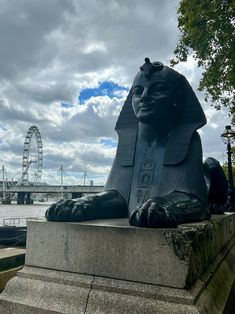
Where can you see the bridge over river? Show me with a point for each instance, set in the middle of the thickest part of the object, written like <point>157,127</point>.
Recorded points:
<point>24,191</point>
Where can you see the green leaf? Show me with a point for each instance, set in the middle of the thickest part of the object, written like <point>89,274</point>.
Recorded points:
<point>208,29</point>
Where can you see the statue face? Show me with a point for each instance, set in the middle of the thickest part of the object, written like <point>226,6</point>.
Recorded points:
<point>152,100</point>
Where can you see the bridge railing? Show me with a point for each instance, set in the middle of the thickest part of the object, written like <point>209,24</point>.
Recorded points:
<point>55,189</point>
<point>16,221</point>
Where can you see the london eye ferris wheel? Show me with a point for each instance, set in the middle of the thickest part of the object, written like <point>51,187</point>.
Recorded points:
<point>32,159</point>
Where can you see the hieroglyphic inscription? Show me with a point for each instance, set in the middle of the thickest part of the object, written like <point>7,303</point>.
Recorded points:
<point>145,181</point>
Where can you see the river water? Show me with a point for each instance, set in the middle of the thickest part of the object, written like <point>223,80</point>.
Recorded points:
<point>36,210</point>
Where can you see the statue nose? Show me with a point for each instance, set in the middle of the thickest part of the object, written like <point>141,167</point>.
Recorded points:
<point>144,96</point>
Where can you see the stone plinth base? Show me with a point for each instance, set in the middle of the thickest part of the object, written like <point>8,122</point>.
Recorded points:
<point>110,267</point>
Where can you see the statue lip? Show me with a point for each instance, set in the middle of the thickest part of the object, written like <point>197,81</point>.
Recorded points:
<point>147,105</point>
<point>146,108</point>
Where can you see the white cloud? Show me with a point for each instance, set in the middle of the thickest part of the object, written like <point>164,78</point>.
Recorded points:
<point>51,50</point>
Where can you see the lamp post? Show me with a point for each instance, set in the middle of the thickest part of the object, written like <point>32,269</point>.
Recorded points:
<point>228,137</point>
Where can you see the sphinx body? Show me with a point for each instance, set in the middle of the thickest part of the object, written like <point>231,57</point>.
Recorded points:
<point>157,178</point>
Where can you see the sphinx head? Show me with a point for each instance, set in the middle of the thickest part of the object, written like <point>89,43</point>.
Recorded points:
<point>155,93</point>
<point>181,102</point>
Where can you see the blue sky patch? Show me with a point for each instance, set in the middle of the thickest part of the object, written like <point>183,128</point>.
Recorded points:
<point>108,142</point>
<point>106,88</point>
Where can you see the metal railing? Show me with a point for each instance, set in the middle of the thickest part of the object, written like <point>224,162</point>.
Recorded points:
<point>16,221</point>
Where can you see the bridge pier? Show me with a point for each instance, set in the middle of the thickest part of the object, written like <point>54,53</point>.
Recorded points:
<point>24,198</point>
<point>28,200</point>
<point>6,200</point>
<point>76,194</point>
<point>20,198</point>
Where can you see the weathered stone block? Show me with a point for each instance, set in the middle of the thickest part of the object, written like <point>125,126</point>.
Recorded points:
<point>110,267</point>
<point>112,248</point>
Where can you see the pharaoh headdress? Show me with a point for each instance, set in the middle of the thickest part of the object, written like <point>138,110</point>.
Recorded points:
<point>191,117</point>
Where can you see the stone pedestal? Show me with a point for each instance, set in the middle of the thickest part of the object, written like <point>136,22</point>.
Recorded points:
<point>110,267</point>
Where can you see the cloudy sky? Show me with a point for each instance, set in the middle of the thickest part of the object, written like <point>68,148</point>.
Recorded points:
<point>66,67</point>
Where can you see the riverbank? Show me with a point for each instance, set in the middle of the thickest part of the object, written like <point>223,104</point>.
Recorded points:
<point>11,257</point>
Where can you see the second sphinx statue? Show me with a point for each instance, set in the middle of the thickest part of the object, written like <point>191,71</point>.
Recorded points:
<point>158,178</point>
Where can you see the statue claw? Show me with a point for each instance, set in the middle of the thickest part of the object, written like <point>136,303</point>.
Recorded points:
<point>70,210</point>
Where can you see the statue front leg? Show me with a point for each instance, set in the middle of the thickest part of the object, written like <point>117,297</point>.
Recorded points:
<point>105,205</point>
<point>169,211</point>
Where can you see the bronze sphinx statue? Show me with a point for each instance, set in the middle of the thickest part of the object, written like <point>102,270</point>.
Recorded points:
<point>158,178</point>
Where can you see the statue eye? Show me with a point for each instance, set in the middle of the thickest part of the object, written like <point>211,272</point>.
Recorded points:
<point>157,87</point>
<point>161,87</point>
<point>138,90</point>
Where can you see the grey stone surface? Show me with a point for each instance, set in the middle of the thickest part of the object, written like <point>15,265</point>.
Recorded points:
<point>113,249</point>
<point>143,290</point>
<point>198,244</point>
<point>60,277</point>
<point>30,295</point>
<point>217,285</point>
<point>44,287</point>
<point>43,291</point>
<point>124,252</point>
<point>107,303</point>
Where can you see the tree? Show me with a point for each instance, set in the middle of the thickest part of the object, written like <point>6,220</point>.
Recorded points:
<point>208,31</point>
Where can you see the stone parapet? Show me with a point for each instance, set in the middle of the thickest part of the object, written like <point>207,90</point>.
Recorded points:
<point>110,267</point>
<point>113,249</point>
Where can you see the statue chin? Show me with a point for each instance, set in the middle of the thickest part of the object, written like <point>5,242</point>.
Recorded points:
<point>146,119</point>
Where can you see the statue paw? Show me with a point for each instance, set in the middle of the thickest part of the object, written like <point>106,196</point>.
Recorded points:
<point>170,210</point>
<point>71,210</point>
<point>153,215</point>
